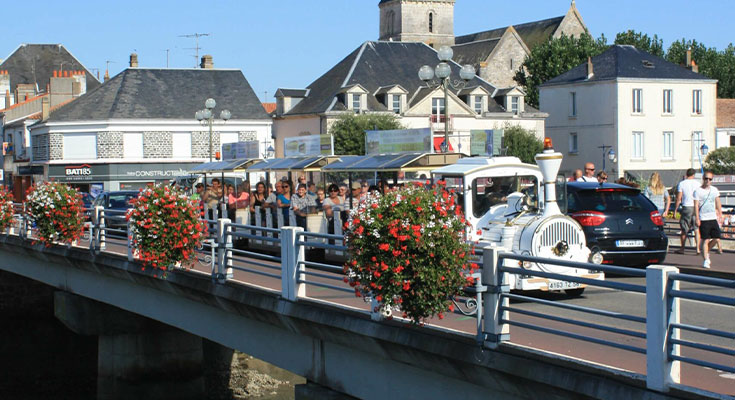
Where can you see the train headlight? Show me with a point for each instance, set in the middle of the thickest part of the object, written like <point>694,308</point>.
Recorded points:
<point>596,258</point>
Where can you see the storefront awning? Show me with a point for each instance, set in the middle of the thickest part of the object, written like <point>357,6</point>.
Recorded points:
<point>224,166</point>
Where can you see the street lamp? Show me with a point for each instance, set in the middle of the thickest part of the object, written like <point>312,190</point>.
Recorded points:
<point>442,73</point>
<point>207,116</point>
<point>610,154</point>
<point>270,152</point>
<point>702,152</point>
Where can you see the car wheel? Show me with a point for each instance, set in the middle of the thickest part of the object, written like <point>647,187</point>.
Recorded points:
<point>574,292</point>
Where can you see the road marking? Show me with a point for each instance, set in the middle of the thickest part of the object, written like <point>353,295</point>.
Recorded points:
<point>728,376</point>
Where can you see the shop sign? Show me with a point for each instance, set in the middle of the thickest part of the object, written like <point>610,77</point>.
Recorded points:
<point>398,141</point>
<point>80,170</point>
<point>310,145</point>
<point>30,170</point>
<point>241,150</point>
<point>118,172</point>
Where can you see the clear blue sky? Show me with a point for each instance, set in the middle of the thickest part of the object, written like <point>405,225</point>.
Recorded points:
<point>289,43</point>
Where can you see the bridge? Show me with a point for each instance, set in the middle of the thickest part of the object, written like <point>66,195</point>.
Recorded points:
<point>299,315</point>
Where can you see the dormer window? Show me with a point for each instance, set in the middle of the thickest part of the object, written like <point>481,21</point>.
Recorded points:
<point>515,104</point>
<point>396,104</point>
<point>478,104</point>
<point>356,103</point>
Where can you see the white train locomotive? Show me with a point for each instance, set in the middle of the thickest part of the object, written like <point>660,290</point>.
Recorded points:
<point>512,205</point>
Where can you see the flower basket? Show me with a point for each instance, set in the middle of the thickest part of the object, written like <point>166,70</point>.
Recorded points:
<point>57,211</point>
<point>6,210</point>
<point>408,251</point>
<point>166,227</point>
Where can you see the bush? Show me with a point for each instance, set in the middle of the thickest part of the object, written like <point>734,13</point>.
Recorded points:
<point>721,161</point>
<point>522,143</point>
<point>57,210</point>
<point>408,251</point>
<point>166,227</point>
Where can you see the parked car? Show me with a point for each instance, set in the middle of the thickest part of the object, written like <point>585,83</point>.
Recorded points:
<point>621,225</point>
<point>116,203</point>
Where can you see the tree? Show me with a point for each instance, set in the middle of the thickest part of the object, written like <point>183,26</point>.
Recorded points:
<point>349,130</point>
<point>641,41</point>
<point>522,143</point>
<point>711,63</point>
<point>554,58</point>
<point>721,161</point>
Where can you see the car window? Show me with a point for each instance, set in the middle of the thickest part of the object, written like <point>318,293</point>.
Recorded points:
<point>608,200</point>
<point>120,200</point>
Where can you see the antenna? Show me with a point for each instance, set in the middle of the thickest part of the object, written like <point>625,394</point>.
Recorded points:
<point>167,50</point>
<point>196,37</point>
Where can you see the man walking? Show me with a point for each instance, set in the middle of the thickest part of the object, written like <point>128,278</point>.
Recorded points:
<point>589,173</point>
<point>685,197</point>
<point>708,213</point>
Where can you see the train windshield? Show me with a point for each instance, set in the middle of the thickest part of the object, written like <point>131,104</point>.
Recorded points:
<point>491,191</point>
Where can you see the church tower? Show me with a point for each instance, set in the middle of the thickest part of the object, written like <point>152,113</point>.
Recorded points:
<point>428,21</point>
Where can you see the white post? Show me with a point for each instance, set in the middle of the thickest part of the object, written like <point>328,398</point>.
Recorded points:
<point>131,250</point>
<point>101,227</point>
<point>291,218</point>
<point>224,245</point>
<point>338,230</point>
<point>495,331</point>
<point>661,311</point>
<point>291,269</point>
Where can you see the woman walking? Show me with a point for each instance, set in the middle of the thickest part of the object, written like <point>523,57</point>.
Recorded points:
<point>657,193</point>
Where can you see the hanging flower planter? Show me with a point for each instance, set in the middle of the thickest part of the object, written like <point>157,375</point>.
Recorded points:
<point>57,211</point>
<point>6,210</point>
<point>166,228</point>
<point>408,251</point>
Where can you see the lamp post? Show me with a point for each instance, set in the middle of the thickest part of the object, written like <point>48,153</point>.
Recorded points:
<point>207,116</point>
<point>702,152</point>
<point>605,153</point>
<point>443,73</point>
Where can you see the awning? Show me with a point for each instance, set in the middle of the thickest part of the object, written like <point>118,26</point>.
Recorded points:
<point>438,145</point>
<point>223,166</point>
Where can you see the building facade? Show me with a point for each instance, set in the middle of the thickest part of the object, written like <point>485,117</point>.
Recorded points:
<point>725,131</point>
<point>382,77</point>
<point>653,114</point>
<point>139,127</point>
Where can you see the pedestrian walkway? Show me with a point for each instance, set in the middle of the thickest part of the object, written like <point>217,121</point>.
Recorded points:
<point>723,265</point>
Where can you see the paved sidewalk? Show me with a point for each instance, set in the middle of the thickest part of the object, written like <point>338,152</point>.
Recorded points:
<point>723,265</point>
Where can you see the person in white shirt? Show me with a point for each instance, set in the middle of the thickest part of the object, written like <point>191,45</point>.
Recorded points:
<point>589,173</point>
<point>708,214</point>
<point>685,197</point>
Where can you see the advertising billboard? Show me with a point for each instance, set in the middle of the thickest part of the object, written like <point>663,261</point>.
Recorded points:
<point>311,145</point>
<point>398,141</point>
<point>486,142</point>
<point>240,150</point>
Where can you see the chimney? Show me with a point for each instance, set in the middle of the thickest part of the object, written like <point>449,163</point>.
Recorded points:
<point>590,68</point>
<point>133,60</point>
<point>45,108</point>
<point>107,75</point>
<point>689,57</point>
<point>7,99</point>
<point>694,67</point>
<point>207,62</point>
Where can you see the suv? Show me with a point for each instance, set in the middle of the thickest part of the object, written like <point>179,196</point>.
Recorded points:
<point>116,203</point>
<point>621,225</point>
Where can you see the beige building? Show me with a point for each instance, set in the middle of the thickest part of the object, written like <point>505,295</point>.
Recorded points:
<point>496,54</point>
<point>382,77</point>
<point>654,115</point>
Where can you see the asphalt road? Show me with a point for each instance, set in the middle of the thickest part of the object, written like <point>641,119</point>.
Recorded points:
<point>692,312</point>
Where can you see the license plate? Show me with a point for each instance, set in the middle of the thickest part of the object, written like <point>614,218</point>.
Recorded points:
<point>629,243</point>
<point>560,285</point>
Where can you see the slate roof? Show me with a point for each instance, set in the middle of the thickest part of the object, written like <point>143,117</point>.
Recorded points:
<point>143,93</point>
<point>374,65</point>
<point>291,92</point>
<point>625,61</point>
<point>532,33</point>
<point>35,63</point>
<point>474,53</point>
<point>725,113</point>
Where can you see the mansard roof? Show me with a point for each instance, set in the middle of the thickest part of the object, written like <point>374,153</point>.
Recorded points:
<point>34,64</point>
<point>373,65</point>
<point>625,61</point>
<point>150,93</point>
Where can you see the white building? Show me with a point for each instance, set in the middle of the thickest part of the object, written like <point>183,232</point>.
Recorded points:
<point>382,77</point>
<point>653,114</point>
<point>140,127</point>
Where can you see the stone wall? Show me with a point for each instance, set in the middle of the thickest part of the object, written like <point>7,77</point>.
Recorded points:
<point>109,144</point>
<point>56,146</point>
<point>498,70</point>
<point>200,144</point>
<point>156,144</point>
<point>411,22</point>
<point>571,25</point>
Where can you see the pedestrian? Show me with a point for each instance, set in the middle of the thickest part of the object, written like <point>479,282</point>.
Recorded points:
<point>576,175</point>
<point>657,193</point>
<point>198,192</point>
<point>332,204</point>
<point>601,177</point>
<point>300,204</point>
<point>353,200</point>
<point>283,201</point>
<point>685,197</point>
<point>212,197</point>
<point>258,200</point>
<point>589,173</point>
<point>708,215</point>
<point>270,202</point>
<point>343,192</point>
<point>311,189</point>
<point>320,196</point>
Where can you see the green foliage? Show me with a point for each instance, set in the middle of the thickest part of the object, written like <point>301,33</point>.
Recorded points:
<point>553,58</point>
<point>721,161</point>
<point>713,64</point>
<point>349,130</point>
<point>408,251</point>
<point>522,143</point>
<point>641,41</point>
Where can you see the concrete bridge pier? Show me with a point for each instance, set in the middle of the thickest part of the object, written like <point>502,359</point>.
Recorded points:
<point>144,359</point>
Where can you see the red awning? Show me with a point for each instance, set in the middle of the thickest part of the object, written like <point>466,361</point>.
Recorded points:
<point>438,142</point>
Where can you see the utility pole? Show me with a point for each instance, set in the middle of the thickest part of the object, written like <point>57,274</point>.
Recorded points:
<point>196,48</point>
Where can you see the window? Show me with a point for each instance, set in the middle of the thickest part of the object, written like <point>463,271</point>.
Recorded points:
<point>511,64</point>
<point>696,101</point>
<point>431,22</point>
<point>487,192</point>
<point>732,140</point>
<point>572,104</point>
<point>132,145</point>
<point>181,144</point>
<point>514,104</point>
<point>80,146</point>
<point>637,94</point>
<point>637,146</point>
<point>573,145</point>
<point>697,142</point>
<point>437,107</point>
<point>667,101</point>
<point>356,103</point>
<point>228,137</point>
<point>478,104</point>
<point>668,146</point>
<point>397,103</point>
